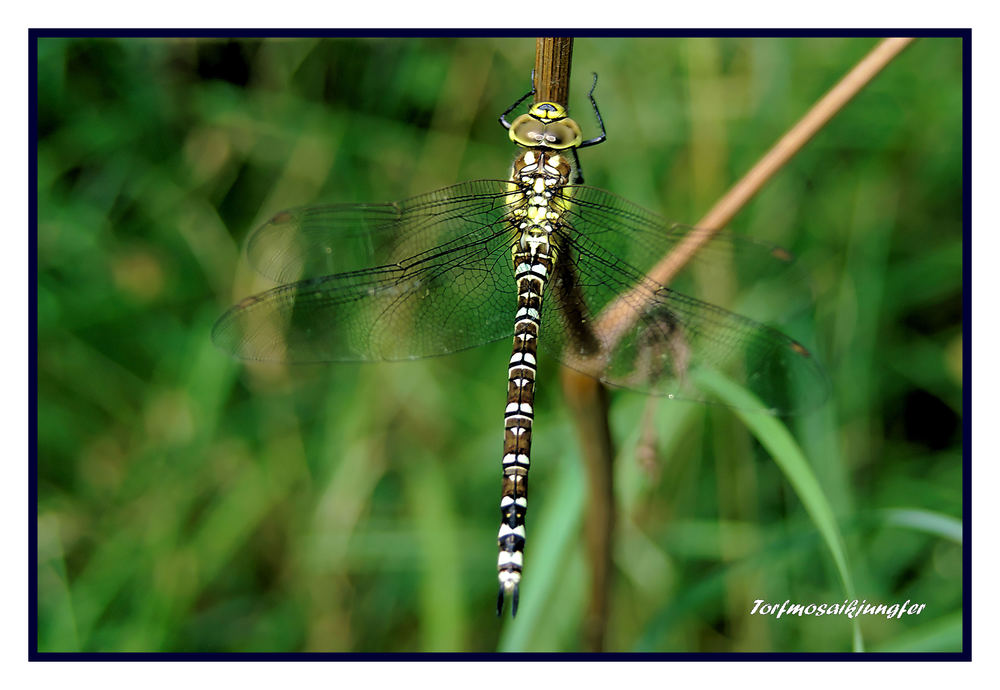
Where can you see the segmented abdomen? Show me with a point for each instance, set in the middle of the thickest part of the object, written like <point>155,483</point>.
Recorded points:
<point>531,270</point>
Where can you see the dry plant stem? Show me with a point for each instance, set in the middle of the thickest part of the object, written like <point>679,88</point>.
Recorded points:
<point>589,405</point>
<point>786,147</point>
<point>586,395</point>
<point>553,59</point>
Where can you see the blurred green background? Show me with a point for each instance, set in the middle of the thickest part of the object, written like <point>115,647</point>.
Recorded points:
<point>189,503</point>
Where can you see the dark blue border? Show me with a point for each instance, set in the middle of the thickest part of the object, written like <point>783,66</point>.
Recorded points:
<point>35,655</point>
<point>508,656</point>
<point>493,33</point>
<point>967,344</point>
<point>33,348</point>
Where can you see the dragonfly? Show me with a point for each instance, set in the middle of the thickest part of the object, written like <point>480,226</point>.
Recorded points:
<point>538,256</point>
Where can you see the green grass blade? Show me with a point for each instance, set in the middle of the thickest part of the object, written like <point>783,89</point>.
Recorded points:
<point>786,453</point>
<point>927,521</point>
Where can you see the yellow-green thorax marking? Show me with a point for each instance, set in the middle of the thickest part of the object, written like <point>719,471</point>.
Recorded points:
<point>540,173</point>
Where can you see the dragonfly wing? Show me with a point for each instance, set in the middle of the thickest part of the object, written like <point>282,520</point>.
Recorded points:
<point>640,238</point>
<point>317,241</point>
<point>658,339</point>
<point>673,339</point>
<point>432,303</point>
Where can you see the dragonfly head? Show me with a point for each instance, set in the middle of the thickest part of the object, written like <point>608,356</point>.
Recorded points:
<point>546,125</point>
<point>548,112</point>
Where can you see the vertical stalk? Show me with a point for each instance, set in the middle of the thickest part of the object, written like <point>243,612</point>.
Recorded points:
<point>553,60</point>
<point>588,401</point>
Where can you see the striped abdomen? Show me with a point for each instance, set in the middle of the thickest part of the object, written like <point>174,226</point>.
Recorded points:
<point>531,270</point>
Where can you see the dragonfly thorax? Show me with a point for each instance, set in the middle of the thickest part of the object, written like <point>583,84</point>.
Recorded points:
<point>539,175</point>
<point>541,171</point>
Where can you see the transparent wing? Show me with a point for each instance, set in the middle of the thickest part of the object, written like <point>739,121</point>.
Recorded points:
<point>319,241</point>
<point>443,280</point>
<point>659,339</point>
<point>616,227</point>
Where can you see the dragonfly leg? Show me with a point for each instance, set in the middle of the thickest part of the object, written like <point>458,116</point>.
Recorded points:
<point>600,121</point>
<point>519,101</point>
<point>577,168</point>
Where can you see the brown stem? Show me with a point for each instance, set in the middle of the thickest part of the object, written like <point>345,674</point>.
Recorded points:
<point>588,401</point>
<point>553,59</point>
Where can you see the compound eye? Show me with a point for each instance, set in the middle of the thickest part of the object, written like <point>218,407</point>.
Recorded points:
<point>562,135</point>
<point>527,131</point>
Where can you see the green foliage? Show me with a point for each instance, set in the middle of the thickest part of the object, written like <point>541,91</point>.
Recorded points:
<point>191,503</point>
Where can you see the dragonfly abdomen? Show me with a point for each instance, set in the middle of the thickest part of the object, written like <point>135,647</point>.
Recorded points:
<point>518,418</point>
<point>538,176</point>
